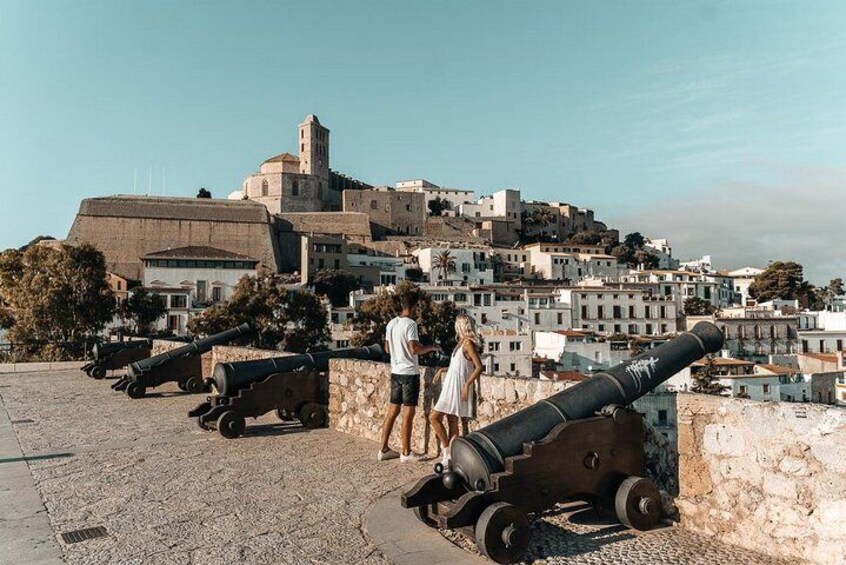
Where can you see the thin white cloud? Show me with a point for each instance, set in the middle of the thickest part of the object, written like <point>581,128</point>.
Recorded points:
<point>802,219</point>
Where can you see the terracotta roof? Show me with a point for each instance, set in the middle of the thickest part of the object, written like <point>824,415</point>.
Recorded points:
<point>197,252</point>
<point>572,333</point>
<point>573,376</point>
<point>283,158</point>
<point>830,357</point>
<point>778,369</point>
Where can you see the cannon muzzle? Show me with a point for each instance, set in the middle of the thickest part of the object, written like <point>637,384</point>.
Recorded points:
<point>478,455</point>
<point>229,378</point>
<point>197,347</point>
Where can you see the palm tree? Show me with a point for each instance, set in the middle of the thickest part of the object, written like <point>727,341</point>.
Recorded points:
<point>542,217</point>
<point>445,263</point>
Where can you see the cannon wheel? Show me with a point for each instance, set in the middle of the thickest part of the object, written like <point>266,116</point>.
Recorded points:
<point>638,503</point>
<point>136,390</point>
<point>503,532</point>
<point>422,514</point>
<point>313,415</point>
<point>230,424</point>
<point>285,415</point>
<point>202,424</point>
<point>181,385</point>
<point>194,385</point>
<point>98,372</point>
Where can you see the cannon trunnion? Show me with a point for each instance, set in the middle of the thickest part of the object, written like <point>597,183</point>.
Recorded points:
<point>579,444</point>
<point>182,365</point>
<point>295,386</point>
<point>113,356</point>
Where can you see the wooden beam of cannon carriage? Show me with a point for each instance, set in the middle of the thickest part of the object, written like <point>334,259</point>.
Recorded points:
<point>578,444</point>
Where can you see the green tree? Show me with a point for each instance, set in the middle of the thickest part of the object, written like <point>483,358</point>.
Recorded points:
<point>835,287</point>
<point>591,237</point>
<point>633,253</point>
<point>695,306</point>
<point>334,284</point>
<point>414,274</point>
<point>436,206</point>
<point>784,280</point>
<point>435,320</point>
<point>55,294</point>
<point>203,193</point>
<point>445,263</point>
<point>293,320</point>
<point>143,308</point>
<point>707,381</point>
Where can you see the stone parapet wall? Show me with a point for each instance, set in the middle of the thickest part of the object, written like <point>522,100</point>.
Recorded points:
<point>770,477</point>
<point>233,353</point>
<point>359,392</point>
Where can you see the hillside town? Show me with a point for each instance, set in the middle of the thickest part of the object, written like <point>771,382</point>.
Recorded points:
<point>558,294</point>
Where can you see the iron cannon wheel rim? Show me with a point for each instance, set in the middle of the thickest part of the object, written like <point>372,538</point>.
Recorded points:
<point>313,415</point>
<point>98,373</point>
<point>629,503</point>
<point>230,424</point>
<point>202,424</point>
<point>135,390</point>
<point>503,532</point>
<point>193,385</point>
<point>422,514</point>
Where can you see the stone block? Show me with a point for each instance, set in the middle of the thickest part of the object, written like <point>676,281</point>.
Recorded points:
<point>723,439</point>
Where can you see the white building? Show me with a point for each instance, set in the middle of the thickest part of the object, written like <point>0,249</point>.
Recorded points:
<point>577,350</point>
<point>610,310</point>
<point>452,197</point>
<point>191,279</point>
<point>503,204</point>
<point>701,265</point>
<point>743,278</point>
<point>506,352</point>
<point>561,262</point>
<point>391,269</point>
<point>472,266</point>
<point>684,285</point>
<point>661,249</point>
<point>822,332</point>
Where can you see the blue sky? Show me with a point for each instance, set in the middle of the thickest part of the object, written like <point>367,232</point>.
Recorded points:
<point>720,125</point>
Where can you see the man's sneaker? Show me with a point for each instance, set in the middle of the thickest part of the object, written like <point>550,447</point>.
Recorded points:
<point>411,456</point>
<point>385,455</point>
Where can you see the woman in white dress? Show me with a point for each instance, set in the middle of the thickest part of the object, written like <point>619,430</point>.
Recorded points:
<point>455,400</point>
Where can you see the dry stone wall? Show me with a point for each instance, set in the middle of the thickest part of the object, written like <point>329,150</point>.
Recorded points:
<point>766,476</point>
<point>359,392</point>
<point>162,345</point>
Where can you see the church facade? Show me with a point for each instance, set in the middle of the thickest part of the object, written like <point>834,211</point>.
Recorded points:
<point>291,183</point>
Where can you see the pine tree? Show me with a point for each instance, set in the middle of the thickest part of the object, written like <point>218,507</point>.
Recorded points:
<point>707,381</point>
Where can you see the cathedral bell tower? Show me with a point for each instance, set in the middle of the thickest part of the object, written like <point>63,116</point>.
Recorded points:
<point>314,150</point>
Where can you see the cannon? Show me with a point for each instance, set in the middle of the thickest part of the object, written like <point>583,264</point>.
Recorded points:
<point>115,355</point>
<point>578,444</point>
<point>295,386</point>
<point>182,365</point>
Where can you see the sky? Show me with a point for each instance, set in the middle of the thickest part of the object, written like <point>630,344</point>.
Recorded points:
<point>720,126</point>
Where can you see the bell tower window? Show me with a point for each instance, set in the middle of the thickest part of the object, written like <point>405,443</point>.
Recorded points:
<point>264,188</point>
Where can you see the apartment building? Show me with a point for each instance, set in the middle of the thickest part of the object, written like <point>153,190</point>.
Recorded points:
<point>610,310</point>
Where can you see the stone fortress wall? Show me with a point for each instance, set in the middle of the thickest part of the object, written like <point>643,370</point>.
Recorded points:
<point>125,228</point>
<point>766,476</point>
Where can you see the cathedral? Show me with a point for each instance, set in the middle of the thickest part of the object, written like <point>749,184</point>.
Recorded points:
<point>288,183</point>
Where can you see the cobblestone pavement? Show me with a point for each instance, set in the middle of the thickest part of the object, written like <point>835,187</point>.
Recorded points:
<point>168,492</point>
<point>577,535</point>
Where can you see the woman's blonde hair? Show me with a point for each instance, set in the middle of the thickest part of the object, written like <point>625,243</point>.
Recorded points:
<point>465,328</point>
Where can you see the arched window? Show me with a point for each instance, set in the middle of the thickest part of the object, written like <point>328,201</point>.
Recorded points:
<point>264,187</point>
<point>320,191</point>
<point>295,188</point>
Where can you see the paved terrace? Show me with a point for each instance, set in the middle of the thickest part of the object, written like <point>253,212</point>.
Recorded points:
<point>168,492</point>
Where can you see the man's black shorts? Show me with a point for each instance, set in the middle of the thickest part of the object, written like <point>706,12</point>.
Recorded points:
<point>405,389</point>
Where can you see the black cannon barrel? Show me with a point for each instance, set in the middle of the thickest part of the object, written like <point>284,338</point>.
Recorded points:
<point>102,350</point>
<point>479,454</point>
<point>196,347</point>
<point>229,378</point>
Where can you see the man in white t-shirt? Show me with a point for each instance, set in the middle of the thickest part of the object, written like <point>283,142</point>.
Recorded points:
<point>403,343</point>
